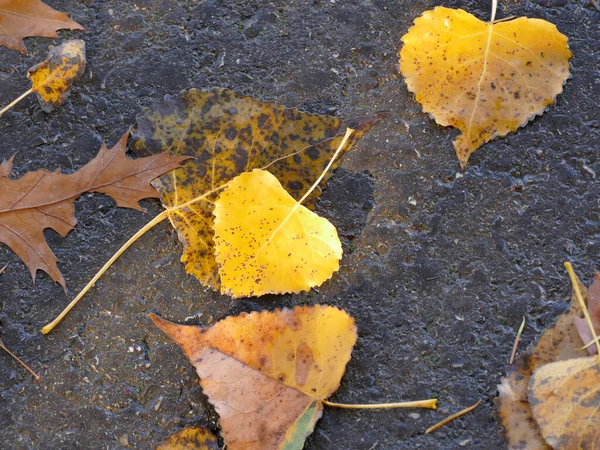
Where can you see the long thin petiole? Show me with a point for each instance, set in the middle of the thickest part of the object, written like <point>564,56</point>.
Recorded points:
<point>430,404</point>
<point>162,216</point>
<point>516,344</point>
<point>37,377</point>
<point>14,102</point>
<point>452,417</point>
<point>569,268</point>
<point>494,8</point>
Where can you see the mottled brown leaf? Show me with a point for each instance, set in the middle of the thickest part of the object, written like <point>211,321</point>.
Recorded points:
<point>593,305</point>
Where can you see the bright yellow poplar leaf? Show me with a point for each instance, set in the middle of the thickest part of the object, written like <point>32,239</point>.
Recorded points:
<point>565,401</point>
<point>52,78</point>
<point>267,373</point>
<point>268,243</point>
<point>486,79</point>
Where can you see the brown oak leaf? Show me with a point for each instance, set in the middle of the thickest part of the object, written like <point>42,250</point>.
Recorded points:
<point>22,18</point>
<point>593,304</point>
<point>42,199</point>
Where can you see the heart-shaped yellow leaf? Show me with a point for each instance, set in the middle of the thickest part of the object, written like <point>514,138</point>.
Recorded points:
<point>486,79</point>
<point>268,243</point>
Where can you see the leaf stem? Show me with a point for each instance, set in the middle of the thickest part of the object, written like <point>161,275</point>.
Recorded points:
<point>17,100</point>
<point>516,344</point>
<point>431,404</point>
<point>575,283</point>
<point>37,377</point>
<point>494,8</point>
<point>349,131</point>
<point>452,417</point>
<point>162,216</point>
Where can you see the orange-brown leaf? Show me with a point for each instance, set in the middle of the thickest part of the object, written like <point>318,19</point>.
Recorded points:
<point>51,79</point>
<point>42,199</point>
<point>558,343</point>
<point>22,18</point>
<point>486,79</point>
<point>267,373</point>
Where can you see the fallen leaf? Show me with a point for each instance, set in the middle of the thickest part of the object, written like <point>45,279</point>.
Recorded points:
<point>486,79</point>
<point>51,79</point>
<point>267,243</point>
<point>42,199</point>
<point>22,18</point>
<point>190,438</point>
<point>558,343</point>
<point>228,134</point>
<point>565,400</point>
<point>593,305</point>
<point>267,373</point>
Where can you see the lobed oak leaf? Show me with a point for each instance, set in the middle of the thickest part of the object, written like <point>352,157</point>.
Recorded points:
<point>593,304</point>
<point>268,243</point>
<point>190,438</point>
<point>558,343</point>
<point>267,373</point>
<point>228,134</point>
<point>22,18</point>
<point>486,79</point>
<point>52,78</point>
<point>42,199</point>
<point>565,401</point>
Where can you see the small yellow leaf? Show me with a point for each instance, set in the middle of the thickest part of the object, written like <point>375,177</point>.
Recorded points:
<point>267,373</point>
<point>565,400</point>
<point>487,79</point>
<point>267,243</point>
<point>52,78</point>
<point>190,438</point>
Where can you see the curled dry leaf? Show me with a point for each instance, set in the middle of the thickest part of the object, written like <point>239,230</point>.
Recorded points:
<point>22,18</point>
<point>558,343</point>
<point>267,243</point>
<point>52,79</point>
<point>593,304</point>
<point>267,373</point>
<point>228,134</point>
<point>191,438</point>
<point>42,199</point>
<point>486,79</point>
<point>565,400</point>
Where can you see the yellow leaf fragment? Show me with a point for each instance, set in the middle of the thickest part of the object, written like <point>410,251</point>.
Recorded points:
<point>228,134</point>
<point>52,79</point>
<point>190,438</point>
<point>565,400</point>
<point>558,343</point>
<point>267,373</point>
<point>486,79</point>
<point>267,243</point>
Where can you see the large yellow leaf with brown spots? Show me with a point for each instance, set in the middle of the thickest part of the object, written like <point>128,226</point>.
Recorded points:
<point>565,400</point>
<point>268,243</point>
<point>486,79</point>
<point>228,134</point>
<point>51,79</point>
<point>267,373</point>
